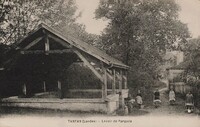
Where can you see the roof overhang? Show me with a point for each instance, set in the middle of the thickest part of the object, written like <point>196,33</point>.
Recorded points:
<point>74,43</point>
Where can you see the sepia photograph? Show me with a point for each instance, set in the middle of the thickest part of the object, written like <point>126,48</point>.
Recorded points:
<point>99,63</point>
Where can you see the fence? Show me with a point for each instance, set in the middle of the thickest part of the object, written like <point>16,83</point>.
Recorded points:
<point>181,87</point>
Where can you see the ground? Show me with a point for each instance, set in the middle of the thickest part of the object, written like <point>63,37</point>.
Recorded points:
<point>165,116</point>
<point>166,108</point>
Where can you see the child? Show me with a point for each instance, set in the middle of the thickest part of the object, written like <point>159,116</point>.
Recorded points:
<point>139,99</point>
<point>172,96</point>
<point>157,100</point>
<point>189,101</point>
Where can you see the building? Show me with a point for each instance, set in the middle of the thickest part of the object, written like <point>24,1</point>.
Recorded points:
<point>42,70</point>
<point>178,75</point>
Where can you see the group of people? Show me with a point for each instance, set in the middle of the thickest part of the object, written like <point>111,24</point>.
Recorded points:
<point>157,99</point>
<point>189,101</point>
<point>130,102</point>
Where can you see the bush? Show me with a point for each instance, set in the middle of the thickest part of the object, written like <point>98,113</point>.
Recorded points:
<point>144,83</point>
<point>179,78</point>
<point>140,80</point>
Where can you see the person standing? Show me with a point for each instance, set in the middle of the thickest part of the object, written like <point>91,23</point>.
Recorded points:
<point>172,96</point>
<point>189,103</point>
<point>139,99</point>
<point>129,103</point>
<point>157,95</point>
<point>157,100</point>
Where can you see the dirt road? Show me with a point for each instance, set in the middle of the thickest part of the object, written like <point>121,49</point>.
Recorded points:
<point>166,109</point>
<point>165,116</point>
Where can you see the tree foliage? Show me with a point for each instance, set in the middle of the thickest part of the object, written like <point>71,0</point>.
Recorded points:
<point>19,17</point>
<point>140,31</point>
<point>192,57</point>
<point>192,68</point>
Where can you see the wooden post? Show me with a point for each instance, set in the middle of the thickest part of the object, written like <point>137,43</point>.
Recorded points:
<point>104,86</point>
<point>59,85</point>
<point>59,89</point>
<point>44,86</point>
<point>47,45</point>
<point>120,90</point>
<point>125,80</point>
<point>168,79</point>
<point>114,82</point>
<point>24,89</point>
<point>33,43</point>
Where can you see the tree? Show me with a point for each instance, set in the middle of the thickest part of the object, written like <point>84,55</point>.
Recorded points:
<point>192,68</point>
<point>140,31</point>
<point>19,17</point>
<point>192,57</point>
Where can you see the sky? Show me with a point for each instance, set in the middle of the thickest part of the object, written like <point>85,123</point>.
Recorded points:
<point>88,7</point>
<point>189,14</point>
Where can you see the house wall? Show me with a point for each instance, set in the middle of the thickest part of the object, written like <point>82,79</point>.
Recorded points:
<point>181,87</point>
<point>179,57</point>
<point>173,73</point>
<point>178,86</point>
<point>62,104</point>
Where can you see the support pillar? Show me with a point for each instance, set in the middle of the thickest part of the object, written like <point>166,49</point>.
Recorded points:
<point>24,90</point>
<point>125,80</point>
<point>47,45</point>
<point>104,86</point>
<point>114,82</point>
<point>44,86</point>
<point>121,100</point>
<point>60,90</point>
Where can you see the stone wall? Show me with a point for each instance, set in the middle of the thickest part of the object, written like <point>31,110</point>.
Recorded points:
<point>109,105</point>
<point>96,105</point>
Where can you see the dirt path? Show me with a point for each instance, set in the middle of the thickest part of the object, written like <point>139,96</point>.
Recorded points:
<point>166,109</point>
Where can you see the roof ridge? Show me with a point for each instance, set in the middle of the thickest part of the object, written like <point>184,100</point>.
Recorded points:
<point>81,45</point>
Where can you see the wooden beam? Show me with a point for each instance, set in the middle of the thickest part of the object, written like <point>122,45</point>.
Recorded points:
<point>120,90</point>
<point>125,80</point>
<point>110,76</point>
<point>114,82</point>
<point>47,46</point>
<point>71,41</point>
<point>33,43</point>
<point>104,85</point>
<point>60,41</point>
<point>87,63</point>
<point>118,76</point>
<point>59,89</point>
<point>44,86</point>
<point>120,81</point>
<point>42,51</point>
<point>74,42</point>
<point>59,85</point>
<point>24,90</point>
